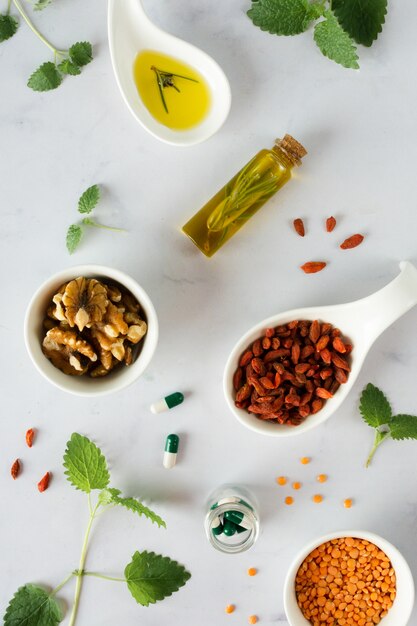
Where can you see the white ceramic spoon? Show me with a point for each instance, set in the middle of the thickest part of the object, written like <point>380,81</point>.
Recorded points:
<point>130,31</point>
<point>361,321</point>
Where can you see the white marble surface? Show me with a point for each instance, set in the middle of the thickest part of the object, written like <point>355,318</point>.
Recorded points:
<point>360,129</point>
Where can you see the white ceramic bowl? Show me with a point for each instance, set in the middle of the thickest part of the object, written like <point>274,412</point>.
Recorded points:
<point>361,321</point>
<point>84,385</point>
<point>401,610</point>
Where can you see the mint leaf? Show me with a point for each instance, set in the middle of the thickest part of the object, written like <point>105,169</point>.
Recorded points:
<point>81,53</point>
<point>362,19</point>
<point>74,235</point>
<point>32,606</point>
<point>89,199</point>
<point>85,464</point>
<point>374,407</point>
<point>403,427</point>
<point>8,26</point>
<point>68,67</point>
<point>112,496</point>
<point>45,78</point>
<point>151,577</point>
<point>41,4</point>
<point>335,43</point>
<point>283,17</point>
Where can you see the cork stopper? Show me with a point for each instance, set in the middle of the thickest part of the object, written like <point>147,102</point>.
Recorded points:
<point>292,148</point>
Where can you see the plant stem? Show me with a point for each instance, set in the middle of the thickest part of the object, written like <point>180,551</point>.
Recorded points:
<point>9,4</point>
<point>96,575</point>
<point>80,571</point>
<point>29,22</point>
<point>89,222</point>
<point>379,438</point>
<point>59,587</point>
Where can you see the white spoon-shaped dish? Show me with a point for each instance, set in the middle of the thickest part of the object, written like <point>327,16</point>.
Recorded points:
<point>361,321</point>
<point>130,31</point>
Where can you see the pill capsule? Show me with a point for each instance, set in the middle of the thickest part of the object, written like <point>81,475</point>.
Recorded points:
<point>171,449</point>
<point>174,399</point>
<point>216,526</point>
<point>229,528</point>
<point>238,518</point>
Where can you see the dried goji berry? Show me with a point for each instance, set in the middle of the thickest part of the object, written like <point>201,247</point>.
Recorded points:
<point>312,267</point>
<point>44,482</point>
<point>29,437</point>
<point>299,227</point>
<point>15,469</point>
<point>330,224</point>
<point>352,242</point>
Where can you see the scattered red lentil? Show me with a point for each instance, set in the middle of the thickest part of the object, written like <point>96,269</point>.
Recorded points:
<point>252,571</point>
<point>321,478</point>
<point>296,485</point>
<point>281,480</point>
<point>317,498</point>
<point>230,608</point>
<point>289,500</point>
<point>305,460</point>
<point>347,503</point>
<point>252,619</point>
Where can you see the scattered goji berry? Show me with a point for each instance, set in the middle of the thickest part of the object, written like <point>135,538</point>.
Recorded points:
<point>15,469</point>
<point>330,224</point>
<point>312,267</point>
<point>299,227</point>
<point>352,242</point>
<point>29,437</point>
<point>44,482</point>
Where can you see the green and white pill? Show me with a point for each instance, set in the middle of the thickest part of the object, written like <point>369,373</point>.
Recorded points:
<point>229,528</point>
<point>174,399</point>
<point>171,449</point>
<point>238,518</point>
<point>216,526</point>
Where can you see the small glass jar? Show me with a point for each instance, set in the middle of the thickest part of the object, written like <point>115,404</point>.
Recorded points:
<point>232,519</point>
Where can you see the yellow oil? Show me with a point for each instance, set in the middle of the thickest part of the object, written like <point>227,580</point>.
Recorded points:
<point>241,198</point>
<point>186,108</point>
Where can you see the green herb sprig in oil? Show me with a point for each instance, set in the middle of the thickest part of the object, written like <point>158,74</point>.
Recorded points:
<point>165,80</point>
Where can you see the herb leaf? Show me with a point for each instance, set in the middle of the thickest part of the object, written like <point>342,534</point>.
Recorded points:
<point>74,235</point>
<point>85,464</point>
<point>282,17</point>
<point>151,577</point>
<point>32,606</point>
<point>362,19</point>
<point>8,26</point>
<point>41,4</point>
<point>68,67</point>
<point>112,496</point>
<point>45,78</point>
<point>403,427</point>
<point>374,407</point>
<point>335,43</point>
<point>81,53</point>
<point>89,199</point>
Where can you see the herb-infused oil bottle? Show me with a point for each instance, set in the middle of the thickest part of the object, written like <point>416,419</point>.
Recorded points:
<point>244,195</point>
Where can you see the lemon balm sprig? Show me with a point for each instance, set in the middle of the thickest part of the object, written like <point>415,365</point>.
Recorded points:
<point>48,75</point>
<point>377,413</point>
<point>166,79</point>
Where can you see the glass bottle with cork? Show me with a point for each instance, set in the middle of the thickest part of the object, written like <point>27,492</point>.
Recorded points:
<point>244,195</point>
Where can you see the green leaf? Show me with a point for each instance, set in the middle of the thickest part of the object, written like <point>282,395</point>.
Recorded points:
<point>85,464</point>
<point>89,199</point>
<point>335,43</point>
<point>81,53</point>
<point>374,407</point>
<point>362,19</point>
<point>74,235</point>
<point>112,496</point>
<point>68,67</point>
<point>283,17</point>
<point>8,26</point>
<point>41,4</point>
<point>151,577</point>
<point>45,78</point>
<point>32,606</point>
<point>403,427</point>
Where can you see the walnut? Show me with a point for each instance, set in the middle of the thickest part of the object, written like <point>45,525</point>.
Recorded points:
<point>137,331</point>
<point>85,301</point>
<point>92,328</point>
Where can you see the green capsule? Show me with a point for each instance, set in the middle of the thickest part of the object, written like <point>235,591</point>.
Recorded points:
<point>238,518</point>
<point>171,449</point>
<point>174,399</point>
<point>216,526</point>
<point>229,528</point>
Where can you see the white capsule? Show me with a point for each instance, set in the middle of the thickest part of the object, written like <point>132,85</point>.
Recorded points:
<point>171,449</point>
<point>169,402</point>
